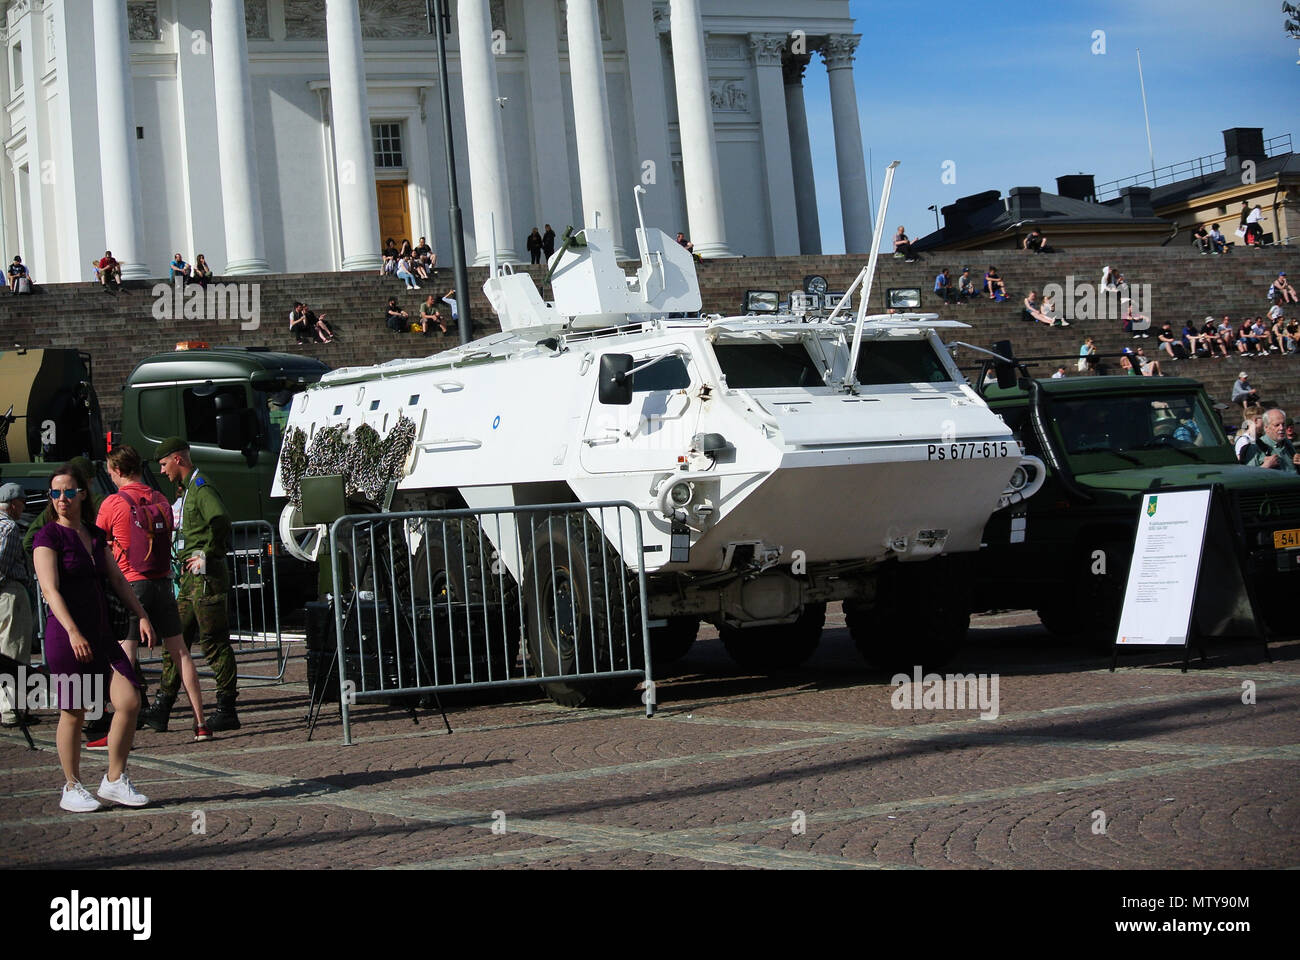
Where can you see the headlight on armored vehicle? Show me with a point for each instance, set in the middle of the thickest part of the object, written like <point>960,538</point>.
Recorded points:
<point>674,495</point>
<point>1018,479</point>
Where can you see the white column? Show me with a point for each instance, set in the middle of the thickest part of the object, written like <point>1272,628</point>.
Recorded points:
<point>695,128</point>
<point>591,121</point>
<point>39,251</point>
<point>354,156</point>
<point>649,114</point>
<point>80,213</point>
<point>766,49</point>
<point>118,164</point>
<point>488,182</point>
<point>805,185</point>
<point>199,166</point>
<point>849,161</point>
<point>545,103</point>
<point>237,148</point>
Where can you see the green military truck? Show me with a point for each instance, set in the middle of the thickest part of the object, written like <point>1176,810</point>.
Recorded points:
<point>230,403</point>
<point>49,413</point>
<point>1107,441</point>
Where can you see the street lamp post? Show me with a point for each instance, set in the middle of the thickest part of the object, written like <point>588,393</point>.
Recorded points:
<point>935,208</point>
<point>439,23</point>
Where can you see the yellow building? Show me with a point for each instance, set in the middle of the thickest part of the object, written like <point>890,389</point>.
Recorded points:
<point>1223,187</point>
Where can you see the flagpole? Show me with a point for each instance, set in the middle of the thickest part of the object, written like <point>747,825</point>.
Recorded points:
<point>1150,149</point>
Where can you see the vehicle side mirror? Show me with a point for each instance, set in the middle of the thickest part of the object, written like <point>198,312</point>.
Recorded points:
<point>233,431</point>
<point>1006,372</point>
<point>615,386</point>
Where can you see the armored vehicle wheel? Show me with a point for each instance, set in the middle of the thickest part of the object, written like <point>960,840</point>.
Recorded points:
<point>1057,614</point>
<point>670,643</point>
<point>451,566</point>
<point>920,618</point>
<point>568,572</point>
<point>778,646</point>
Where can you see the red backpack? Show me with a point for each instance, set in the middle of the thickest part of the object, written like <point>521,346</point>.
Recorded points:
<point>148,547</point>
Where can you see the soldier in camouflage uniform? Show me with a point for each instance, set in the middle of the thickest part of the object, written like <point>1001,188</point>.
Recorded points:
<point>202,542</point>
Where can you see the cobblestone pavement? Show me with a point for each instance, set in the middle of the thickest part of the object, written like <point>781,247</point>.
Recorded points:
<point>812,769</point>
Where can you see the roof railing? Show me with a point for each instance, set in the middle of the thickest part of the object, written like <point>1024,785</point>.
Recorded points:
<point>1200,168</point>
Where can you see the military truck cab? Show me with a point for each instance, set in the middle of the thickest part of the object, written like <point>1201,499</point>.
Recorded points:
<point>1108,441</point>
<point>231,404</point>
<point>49,413</point>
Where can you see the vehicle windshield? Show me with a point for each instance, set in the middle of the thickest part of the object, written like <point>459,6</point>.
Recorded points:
<point>752,364</point>
<point>892,361</point>
<point>1149,421</point>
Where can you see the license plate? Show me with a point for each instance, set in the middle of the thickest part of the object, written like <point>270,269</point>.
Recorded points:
<point>980,450</point>
<point>1286,539</point>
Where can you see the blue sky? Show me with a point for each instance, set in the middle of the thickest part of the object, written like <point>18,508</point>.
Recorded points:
<point>1011,92</point>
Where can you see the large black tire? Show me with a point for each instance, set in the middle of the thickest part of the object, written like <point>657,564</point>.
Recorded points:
<point>453,565</point>
<point>670,643</point>
<point>776,647</point>
<point>1056,612</point>
<point>569,570</point>
<point>920,617</point>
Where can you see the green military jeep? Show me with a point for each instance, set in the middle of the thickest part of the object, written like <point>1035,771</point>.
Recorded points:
<point>1107,441</point>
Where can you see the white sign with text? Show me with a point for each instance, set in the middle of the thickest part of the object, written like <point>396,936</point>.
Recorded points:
<point>1166,563</point>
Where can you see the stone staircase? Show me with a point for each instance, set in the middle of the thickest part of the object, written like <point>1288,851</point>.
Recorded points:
<point>120,329</point>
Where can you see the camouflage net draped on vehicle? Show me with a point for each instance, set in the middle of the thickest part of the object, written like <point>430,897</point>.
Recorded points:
<point>366,461</point>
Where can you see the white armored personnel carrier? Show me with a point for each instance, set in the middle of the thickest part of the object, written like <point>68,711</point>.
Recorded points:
<point>771,476</point>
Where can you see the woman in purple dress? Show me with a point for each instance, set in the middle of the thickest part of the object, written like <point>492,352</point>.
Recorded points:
<point>74,566</point>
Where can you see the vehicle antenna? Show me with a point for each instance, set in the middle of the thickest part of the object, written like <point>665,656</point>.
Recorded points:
<point>868,276</point>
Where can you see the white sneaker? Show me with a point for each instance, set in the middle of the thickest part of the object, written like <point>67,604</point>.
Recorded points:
<point>121,791</point>
<point>77,799</point>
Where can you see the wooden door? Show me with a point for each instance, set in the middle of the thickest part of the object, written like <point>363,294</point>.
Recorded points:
<point>394,211</point>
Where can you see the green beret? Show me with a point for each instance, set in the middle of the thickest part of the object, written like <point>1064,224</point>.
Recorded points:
<point>169,446</point>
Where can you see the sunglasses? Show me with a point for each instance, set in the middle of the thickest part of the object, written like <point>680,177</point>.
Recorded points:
<point>67,494</point>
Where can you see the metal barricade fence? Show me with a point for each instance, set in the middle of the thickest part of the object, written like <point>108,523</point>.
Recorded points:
<point>433,601</point>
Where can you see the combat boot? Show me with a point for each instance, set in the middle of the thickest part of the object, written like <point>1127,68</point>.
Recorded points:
<point>223,717</point>
<point>161,711</point>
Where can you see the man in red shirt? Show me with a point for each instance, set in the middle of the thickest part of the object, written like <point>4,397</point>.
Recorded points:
<point>110,271</point>
<point>119,517</point>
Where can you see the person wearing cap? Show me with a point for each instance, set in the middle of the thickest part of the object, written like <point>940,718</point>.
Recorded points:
<point>1282,291</point>
<point>966,285</point>
<point>1213,342</point>
<point>1273,451</point>
<point>201,544</point>
<point>1128,362</point>
<point>16,623</point>
<point>1242,392</point>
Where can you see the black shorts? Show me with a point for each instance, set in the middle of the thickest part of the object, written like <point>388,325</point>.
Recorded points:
<point>159,603</point>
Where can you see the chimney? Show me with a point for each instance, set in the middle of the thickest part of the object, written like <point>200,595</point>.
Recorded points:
<point>1136,202</point>
<point>1242,144</point>
<point>1077,186</point>
<point>956,216</point>
<point>1026,203</point>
